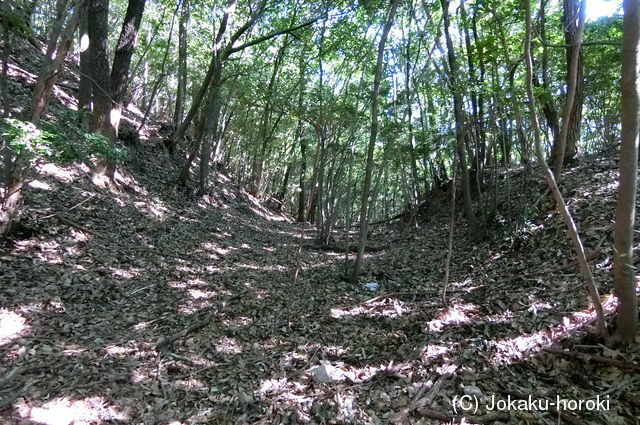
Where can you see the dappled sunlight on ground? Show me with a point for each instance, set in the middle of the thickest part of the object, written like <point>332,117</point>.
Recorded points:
<point>62,174</point>
<point>12,325</point>
<point>387,307</point>
<point>153,208</point>
<point>40,185</point>
<point>125,273</point>
<point>227,345</point>
<point>63,411</point>
<point>216,282</point>
<point>517,348</point>
<point>456,314</point>
<point>434,351</point>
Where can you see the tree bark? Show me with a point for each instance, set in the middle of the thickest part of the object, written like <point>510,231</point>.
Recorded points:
<point>4,80</point>
<point>178,112</point>
<point>85,89</point>
<point>124,50</point>
<point>623,269</point>
<point>57,51</point>
<point>551,181</point>
<point>263,133</point>
<point>565,147</point>
<point>211,126</point>
<point>474,227</point>
<point>302,177</point>
<point>98,29</point>
<point>373,135</point>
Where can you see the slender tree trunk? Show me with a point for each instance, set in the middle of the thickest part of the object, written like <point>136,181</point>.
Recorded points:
<point>301,182</point>
<point>178,112</point>
<point>263,132</point>
<point>411,145</point>
<point>4,80</point>
<point>348,213</point>
<point>211,126</point>
<point>565,148</point>
<point>85,89</point>
<point>548,175</point>
<point>548,106</point>
<point>161,76</point>
<point>623,269</point>
<point>452,222</point>
<point>474,227</point>
<point>373,135</point>
<point>53,62</point>
<point>282,193</point>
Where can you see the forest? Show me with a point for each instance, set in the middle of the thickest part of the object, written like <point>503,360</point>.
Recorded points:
<point>333,212</point>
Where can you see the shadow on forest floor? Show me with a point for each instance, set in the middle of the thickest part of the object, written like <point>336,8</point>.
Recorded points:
<point>181,310</point>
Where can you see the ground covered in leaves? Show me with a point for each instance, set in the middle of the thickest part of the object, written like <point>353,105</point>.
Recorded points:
<point>137,304</point>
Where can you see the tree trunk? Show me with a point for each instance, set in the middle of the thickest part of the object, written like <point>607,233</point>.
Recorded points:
<point>551,181</point>
<point>124,50</point>
<point>4,79</point>
<point>474,228</point>
<point>373,135</point>
<point>548,106</point>
<point>98,21</point>
<point>211,126</point>
<point>85,89</point>
<point>5,150</point>
<point>53,62</point>
<point>623,269</point>
<point>263,133</point>
<point>178,112</point>
<point>565,147</point>
<point>161,76</point>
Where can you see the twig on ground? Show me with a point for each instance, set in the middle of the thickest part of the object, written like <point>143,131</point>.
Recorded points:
<point>598,359</point>
<point>64,220</point>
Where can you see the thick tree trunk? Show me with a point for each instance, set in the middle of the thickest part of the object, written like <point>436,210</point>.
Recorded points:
<point>98,22</point>
<point>373,135</point>
<point>623,269</point>
<point>124,50</point>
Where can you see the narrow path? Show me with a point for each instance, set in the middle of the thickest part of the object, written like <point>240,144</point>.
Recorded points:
<point>175,312</point>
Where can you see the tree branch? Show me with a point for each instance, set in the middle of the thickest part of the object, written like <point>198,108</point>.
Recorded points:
<point>271,35</point>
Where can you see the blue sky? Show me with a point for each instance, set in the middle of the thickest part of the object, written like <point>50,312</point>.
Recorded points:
<point>599,8</point>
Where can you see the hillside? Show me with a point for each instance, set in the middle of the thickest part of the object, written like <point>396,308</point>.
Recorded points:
<point>138,300</point>
<point>139,305</point>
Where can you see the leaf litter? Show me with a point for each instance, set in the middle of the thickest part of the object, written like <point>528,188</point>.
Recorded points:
<point>174,309</point>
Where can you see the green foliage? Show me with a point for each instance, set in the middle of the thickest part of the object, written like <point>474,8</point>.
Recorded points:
<point>13,18</point>
<point>61,141</point>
